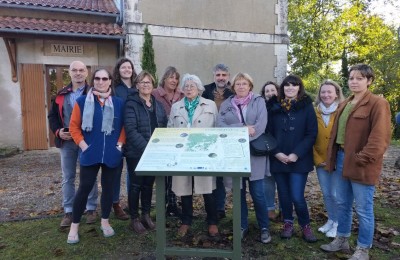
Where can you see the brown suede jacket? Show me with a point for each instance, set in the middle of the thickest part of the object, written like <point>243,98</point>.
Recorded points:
<point>367,137</point>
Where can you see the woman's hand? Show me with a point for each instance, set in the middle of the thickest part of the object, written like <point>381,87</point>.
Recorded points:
<point>119,147</point>
<point>292,158</point>
<point>282,157</point>
<point>252,130</point>
<point>83,145</point>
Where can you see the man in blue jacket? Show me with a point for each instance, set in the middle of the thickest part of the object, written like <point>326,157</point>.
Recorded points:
<point>59,118</point>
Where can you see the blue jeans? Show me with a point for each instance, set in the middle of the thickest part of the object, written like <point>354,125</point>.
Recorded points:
<point>291,187</point>
<point>363,195</point>
<point>328,182</point>
<point>256,189</point>
<point>69,153</point>
<point>220,194</point>
<point>269,190</point>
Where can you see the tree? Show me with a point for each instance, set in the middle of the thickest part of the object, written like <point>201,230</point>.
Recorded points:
<point>326,37</point>
<point>148,55</point>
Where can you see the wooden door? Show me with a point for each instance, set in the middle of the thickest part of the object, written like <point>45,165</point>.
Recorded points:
<point>33,107</point>
<point>56,78</point>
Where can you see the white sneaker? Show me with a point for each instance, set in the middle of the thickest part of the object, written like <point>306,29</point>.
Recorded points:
<point>325,228</point>
<point>332,231</point>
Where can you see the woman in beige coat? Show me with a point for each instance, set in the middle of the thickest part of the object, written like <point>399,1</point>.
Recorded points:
<point>194,111</point>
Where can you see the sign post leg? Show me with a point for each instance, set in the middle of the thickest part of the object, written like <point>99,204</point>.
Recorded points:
<point>160,218</point>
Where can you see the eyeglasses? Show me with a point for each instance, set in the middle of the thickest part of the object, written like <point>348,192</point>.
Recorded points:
<point>145,83</point>
<point>189,87</point>
<point>103,79</point>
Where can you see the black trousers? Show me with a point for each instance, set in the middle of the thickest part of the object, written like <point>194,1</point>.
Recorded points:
<point>209,204</point>
<point>141,188</point>
<point>87,178</point>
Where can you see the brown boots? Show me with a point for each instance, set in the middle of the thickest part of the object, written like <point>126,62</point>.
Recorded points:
<point>140,225</point>
<point>147,222</point>
<point>119,212</point>
<point>137,226</point>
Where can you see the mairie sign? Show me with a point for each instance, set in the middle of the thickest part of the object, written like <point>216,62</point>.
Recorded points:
<point>66,49</point>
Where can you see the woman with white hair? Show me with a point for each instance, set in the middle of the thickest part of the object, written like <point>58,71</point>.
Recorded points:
<point>194,111</point>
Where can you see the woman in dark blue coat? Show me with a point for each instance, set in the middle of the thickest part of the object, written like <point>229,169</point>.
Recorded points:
<point>124,76</point>
<point>293,123</point>
<point>143,113</point>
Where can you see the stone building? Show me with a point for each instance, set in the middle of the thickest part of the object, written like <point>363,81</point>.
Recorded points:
<point>249,36</point>
<point>40,38</point>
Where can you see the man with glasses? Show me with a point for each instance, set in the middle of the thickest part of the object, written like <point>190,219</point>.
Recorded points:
<point>218,91</point>
<point>59,118</point>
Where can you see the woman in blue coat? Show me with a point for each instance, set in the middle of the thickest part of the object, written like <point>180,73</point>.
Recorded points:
<point>97,128</point>
<point>293,123</point>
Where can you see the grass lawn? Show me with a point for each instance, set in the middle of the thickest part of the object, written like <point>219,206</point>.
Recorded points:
<point>42,239</point>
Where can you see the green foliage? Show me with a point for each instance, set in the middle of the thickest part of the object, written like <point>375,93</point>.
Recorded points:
<point>148,55</point>
<point>327,37</point>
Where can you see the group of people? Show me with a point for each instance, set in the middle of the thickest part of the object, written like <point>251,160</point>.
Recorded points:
<point>115,116</point>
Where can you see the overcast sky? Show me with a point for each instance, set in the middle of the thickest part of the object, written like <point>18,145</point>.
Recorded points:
<point>389,12</point>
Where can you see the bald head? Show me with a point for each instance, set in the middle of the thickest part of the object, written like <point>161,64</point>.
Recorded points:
<point>78,73</point>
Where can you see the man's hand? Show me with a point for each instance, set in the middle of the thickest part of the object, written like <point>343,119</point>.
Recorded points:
<point>64,135</point>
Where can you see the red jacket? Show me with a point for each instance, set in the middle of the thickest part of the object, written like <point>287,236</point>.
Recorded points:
<point>56,116</point>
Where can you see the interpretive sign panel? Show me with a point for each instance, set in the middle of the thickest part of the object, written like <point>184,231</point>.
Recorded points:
<point>197,150</point>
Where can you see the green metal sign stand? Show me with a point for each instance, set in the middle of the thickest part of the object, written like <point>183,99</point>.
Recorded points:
<point>161,237</point>
<point>212,152</point>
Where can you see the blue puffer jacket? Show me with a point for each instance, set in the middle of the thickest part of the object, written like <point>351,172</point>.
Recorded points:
<point>295,132</point>
<point>137,124</point>
<point>102,148</point>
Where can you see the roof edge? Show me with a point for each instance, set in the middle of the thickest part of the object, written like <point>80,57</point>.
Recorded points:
<point>57,9</point>
<point>68,34</point>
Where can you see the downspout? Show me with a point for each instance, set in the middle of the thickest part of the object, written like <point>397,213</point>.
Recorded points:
<point>120,22</point>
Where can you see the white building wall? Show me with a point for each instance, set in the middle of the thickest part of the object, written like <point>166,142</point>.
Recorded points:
<point>10,104</point>
<point>32,51</point>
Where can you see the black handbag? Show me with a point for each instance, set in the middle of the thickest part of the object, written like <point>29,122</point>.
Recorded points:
<point>263,145</point>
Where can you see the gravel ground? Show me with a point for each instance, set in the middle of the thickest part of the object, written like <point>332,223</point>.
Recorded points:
<point>30,184</point>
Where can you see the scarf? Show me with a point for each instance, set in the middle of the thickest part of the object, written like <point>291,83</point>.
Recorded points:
<point>242,102</point>
<point>286,104</point>
<point>327,111</point>
<point>88,111</point>
<point>191,107</point>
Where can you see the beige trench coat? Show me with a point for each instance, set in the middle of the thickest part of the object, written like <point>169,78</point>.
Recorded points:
<point>204,116</point>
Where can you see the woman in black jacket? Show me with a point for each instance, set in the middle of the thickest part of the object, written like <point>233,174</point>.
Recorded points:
<point>143,113</point>
<point>292,121</point>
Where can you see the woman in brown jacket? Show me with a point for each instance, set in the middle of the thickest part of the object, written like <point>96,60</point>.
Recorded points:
<point>360,136</point>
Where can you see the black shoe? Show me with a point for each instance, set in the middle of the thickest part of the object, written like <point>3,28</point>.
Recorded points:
<point>221,214</point>
<point>173,211</point>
